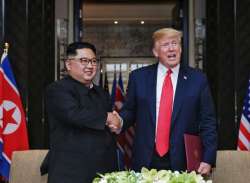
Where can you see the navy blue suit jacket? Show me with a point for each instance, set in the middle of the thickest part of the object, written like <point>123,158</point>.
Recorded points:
<point>193,113</point>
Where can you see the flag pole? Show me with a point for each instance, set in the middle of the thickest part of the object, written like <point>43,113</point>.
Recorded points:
<point>6,48</point>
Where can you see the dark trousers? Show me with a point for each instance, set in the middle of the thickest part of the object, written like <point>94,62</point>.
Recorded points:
<point>160,163</point>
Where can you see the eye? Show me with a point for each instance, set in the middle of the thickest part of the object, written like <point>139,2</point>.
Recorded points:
<point>174,43</point>
<point>83,60</point>
<point>165,45</point>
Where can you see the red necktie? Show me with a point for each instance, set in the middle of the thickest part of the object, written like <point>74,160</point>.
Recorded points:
<point>164,116</point>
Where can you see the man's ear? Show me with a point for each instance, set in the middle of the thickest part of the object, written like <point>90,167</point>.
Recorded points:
<point>155,52</point>
<point>67,65</point>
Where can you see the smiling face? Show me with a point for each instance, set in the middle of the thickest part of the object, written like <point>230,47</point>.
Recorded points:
<point>79,71</point>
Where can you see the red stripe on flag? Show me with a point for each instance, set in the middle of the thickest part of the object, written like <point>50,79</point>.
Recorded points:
<point>241,146</point>
<point>129,139</point>
<point>244,131</point>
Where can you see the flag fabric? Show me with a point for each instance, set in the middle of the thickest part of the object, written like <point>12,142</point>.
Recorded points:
<point>106,83</point>
<point>244,130</point>
<point>117,105</point>
<point>100,80</point>
<point>120,83</point>
<point>125,139</point>
<point>119,94</point>
<point>113,91</point>
<point>13,130</point>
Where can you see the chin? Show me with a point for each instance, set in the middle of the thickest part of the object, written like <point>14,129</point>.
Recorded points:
<point>171,65</point>
<point>88,80</point>
<point>89,77</point>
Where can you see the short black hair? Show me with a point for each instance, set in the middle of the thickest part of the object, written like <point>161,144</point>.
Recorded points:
<point>71,49</point>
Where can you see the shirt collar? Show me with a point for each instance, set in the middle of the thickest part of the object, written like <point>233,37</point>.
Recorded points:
<point>163,69</point>
<point>91,85</point>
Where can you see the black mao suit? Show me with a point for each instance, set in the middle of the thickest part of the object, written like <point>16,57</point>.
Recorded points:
<point>80,143</point>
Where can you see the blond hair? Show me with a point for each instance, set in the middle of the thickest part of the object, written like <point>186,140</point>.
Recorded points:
<point>169,32</point>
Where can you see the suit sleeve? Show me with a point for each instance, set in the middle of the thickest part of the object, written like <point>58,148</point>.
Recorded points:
<point>63,105</point>
<point>128,111</point>
<point>208,125</point>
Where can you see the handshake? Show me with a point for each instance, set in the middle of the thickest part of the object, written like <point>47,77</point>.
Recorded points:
<point>114,122</point>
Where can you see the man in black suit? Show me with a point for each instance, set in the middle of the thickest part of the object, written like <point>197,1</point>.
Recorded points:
<point>80,143</point>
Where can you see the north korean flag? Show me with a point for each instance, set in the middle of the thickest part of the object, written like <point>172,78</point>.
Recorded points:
<point>13,131</point>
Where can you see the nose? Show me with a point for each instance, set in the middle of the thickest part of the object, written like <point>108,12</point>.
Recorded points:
<point>171,47</point>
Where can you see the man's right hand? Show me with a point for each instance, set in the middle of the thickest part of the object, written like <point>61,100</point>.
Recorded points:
<point>114,122</point>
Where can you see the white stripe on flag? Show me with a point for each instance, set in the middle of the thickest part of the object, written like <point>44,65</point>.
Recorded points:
<point>10,83</point>
<point>245,123</point>
<point>120,147</point>
<point>128,150</point>
<point>6,157</point>
<point>244,140</point>
<point>129,139</point>
<point>3,57</point>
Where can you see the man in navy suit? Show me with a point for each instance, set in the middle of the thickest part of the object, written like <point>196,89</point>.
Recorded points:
<point>191,108</point>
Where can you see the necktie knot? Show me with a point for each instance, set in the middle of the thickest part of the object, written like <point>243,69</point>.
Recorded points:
<point>169,72</point>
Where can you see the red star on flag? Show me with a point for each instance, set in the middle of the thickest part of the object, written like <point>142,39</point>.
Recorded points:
<point>8,117</point>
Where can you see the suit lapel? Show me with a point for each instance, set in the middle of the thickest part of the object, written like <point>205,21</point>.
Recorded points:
<point>152,80</point>
<point>179,93</point>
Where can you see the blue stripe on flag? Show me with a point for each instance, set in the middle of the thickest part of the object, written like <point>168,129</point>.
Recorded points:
<point>4,165</point>
<point>120,82</point>
<point>1,150</point>
<point>113,92</point>
<point>6,67</point>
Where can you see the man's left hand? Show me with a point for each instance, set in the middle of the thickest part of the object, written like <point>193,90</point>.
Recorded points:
<point>204,168</point>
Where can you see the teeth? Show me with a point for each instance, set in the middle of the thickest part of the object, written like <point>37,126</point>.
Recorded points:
<point>172,56</point>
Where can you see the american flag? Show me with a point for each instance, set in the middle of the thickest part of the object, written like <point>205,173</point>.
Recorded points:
<point>244,130</point>
<point>125,139</point>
